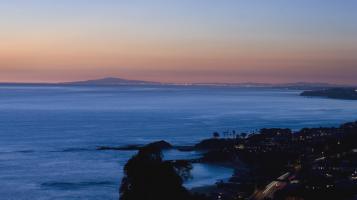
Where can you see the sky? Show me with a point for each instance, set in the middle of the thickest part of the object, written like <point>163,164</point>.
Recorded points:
<point>181,41</point>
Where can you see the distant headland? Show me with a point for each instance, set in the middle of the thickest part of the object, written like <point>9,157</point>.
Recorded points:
<point>333,93</point>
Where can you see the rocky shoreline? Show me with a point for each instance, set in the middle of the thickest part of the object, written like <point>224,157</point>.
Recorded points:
<point>277,163</point>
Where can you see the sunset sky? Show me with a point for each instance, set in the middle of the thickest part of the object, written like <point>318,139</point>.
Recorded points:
<point>179,40</point>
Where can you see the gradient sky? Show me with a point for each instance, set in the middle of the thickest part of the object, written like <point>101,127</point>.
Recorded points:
<point>179,40</point>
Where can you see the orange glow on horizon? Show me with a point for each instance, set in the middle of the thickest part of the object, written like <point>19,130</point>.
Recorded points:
<point>159,43</point>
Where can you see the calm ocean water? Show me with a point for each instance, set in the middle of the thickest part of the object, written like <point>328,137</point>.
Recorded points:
<point>48,134</point>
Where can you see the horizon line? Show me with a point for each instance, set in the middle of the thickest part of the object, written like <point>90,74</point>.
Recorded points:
<point>179,83</point>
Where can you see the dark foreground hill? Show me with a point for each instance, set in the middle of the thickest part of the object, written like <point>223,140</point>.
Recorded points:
<point>275,164</point>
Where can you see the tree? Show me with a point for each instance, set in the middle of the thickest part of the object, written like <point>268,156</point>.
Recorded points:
<point>216,135</point>
<point>148,177</point>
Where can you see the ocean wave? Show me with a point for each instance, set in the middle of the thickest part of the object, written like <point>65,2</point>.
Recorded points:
<point>76,185</point>
<point>72,150</point>
<point>19,151</point>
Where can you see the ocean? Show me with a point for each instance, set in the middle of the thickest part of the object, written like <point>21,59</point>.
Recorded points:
<point>49,134</point>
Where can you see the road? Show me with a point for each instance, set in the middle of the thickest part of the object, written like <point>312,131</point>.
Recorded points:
<point>271,188</point>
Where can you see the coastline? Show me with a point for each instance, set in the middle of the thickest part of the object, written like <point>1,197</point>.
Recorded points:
<point>267,163</point>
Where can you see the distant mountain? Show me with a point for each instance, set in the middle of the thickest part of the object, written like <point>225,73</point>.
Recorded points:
<point>111,81</point>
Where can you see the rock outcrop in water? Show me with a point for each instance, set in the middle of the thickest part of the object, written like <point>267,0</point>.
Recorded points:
<point>162,145</point>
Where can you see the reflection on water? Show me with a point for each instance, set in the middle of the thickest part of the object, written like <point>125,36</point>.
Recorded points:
<point>202,174</point>
<point>206,174</point>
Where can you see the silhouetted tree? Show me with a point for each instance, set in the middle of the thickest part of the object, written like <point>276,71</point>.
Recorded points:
<point>148,177</point>
<point>216,135</point>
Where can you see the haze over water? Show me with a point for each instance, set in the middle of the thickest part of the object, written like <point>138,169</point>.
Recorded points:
<point>49,133</point>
